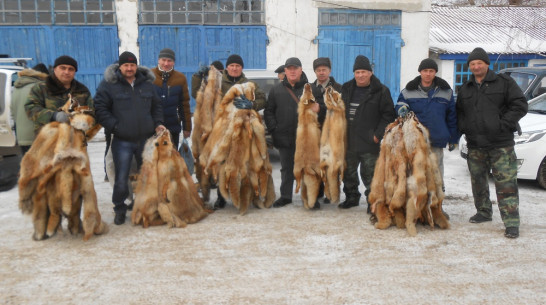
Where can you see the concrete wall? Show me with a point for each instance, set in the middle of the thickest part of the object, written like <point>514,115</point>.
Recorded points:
<point>127,18</point>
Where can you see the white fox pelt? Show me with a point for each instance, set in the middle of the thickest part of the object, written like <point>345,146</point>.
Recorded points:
<point>55,177</point>
<point>407,184</point>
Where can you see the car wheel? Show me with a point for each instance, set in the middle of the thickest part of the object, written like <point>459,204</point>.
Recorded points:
<point>541,176</point>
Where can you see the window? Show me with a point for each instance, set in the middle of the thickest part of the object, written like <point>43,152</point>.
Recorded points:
<point>210,12</point>
<point>462,74</point>
<point>359,18</point>
<point>57,12</point>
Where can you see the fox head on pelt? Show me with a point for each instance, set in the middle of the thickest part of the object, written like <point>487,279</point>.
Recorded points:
<point>81,117</point>
<point>163,144</point>
<point>307,98</point>
<point>333,100</point>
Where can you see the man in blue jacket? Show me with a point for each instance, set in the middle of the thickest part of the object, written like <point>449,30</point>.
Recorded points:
<point>431,99</point>
<point>126,104</point>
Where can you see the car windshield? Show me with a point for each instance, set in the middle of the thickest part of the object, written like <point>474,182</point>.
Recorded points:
<point>538,105</point>
<point>522,79</point>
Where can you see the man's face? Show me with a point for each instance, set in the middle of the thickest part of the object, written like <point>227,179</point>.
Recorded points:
<point>293,74</point>
<point>322,73</point>
<point>234,70</point>
<point>478,67</point>
<point>280,75</point>
<point>427,75</point>
<point>128,70</point>
<point>166,64</point>
<point>362,77</point>
<point>65,73</point>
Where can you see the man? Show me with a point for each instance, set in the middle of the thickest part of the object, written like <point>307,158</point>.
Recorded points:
<point>489,106</point>
<point>24,127</point>
<point>280,72</point>
<point>203,72</point>
<point>431,99</point>
<point>172,88</point>
<point>369,109</point>
<point>281,119</point>
<point>128,106</point>
<point>45,98</point>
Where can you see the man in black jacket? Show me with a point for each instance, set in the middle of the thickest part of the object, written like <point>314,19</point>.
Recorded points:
<point>489,106</point>
<point>369,109</point>
<point>126,104</point>
<point>281,119</point>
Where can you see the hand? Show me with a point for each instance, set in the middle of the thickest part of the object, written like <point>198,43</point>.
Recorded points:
<point>375,139</point>
<point>452,147</point>
<point>315,107</point>
<point>241,102</point>
<point>402,111</point>
<point>61,117</point>
<point>160,129</point>
<point>187,134</point>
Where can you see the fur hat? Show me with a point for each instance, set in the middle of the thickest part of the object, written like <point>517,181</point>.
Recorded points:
<point>428,63</point>
<point>167,53</point>
<point>127,57</point>
<point>292,61</point>
<point>362,63</point>
<point>66,60</point>
<point>322,61</point>
<point>41,68</point>
<point>280,69</point>
<point>235,59</point>
<point>478,53</point>
<point>218,65</point>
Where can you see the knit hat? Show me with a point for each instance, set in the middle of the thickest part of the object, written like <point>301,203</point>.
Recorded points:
<point>478,53</point>
<point>280,69</point>
<point>292,61</point>
<point>428,63</point>
<point>218,65</point>
<point>41,68</point>
<point>235,59</point>
<point>127,57</point>
<point>66,60</point>
<point>167,53</point>
<point>362,63</point>
<point>322,61</point>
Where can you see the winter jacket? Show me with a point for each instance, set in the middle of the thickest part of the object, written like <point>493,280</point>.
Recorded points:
<point>46,97</point>
<point>24,126</point>
<point>175,99</point>
<point>488,114</point>
<point>371,117</point>
<point>319,96</point>
<point>130,113</point>
<point>281,112</point>
<point>435,109</point>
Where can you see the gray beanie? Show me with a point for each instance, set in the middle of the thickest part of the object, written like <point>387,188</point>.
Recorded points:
<point>478,53</point>
<point>362,63</point>
<point>428,63</point>
<point>167,53</point>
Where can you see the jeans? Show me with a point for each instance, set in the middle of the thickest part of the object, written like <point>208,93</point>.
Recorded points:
<point>122,153</point>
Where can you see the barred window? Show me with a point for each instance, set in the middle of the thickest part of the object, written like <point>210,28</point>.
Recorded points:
<point>462,73</point>
<point>359,18</point>
<point>57,12</point>
<point>210,12</point>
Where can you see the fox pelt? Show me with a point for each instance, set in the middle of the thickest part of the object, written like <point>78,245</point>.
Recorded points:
<point>165,191</point>
<point>208,98</point>
<point>333,144</point>
<point>55,177</point>
<point>407,184</point>
<point>236,153</point>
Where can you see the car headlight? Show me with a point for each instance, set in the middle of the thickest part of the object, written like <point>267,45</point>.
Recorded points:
<point>529,136</point>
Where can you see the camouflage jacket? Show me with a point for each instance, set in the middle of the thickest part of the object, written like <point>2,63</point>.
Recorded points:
<point>46,97</point>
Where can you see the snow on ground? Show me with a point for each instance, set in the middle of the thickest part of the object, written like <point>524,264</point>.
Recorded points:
<point>280,256</point>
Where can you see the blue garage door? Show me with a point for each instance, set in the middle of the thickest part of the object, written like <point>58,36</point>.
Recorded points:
<point>344,34</point>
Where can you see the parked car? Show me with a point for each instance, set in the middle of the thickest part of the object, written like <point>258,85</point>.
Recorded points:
<point>264,78</point>
<point>531,80</point>
<point>530,145</point>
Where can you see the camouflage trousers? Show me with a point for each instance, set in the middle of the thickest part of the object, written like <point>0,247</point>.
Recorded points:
<point>503,164</point>
<point>350,177</point>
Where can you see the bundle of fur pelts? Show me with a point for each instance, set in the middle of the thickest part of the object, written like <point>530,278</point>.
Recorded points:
<point>165,192</point>
<point>207,101</point>
<point>307,157</point>
<point>236,153</point>
<point>407,184</point>
<point>55,177</point>
<point>333,144</point>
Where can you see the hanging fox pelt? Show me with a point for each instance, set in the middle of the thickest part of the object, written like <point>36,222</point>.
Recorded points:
<point>407,184</point>
<point>55,178</point>
<point>332,144</point>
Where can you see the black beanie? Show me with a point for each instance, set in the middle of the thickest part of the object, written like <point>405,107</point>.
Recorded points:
<point>66,60</point>
<point>167,53</point>
<point>428,63</point>
<point>41,68</point>
<point>322,61</point>
<point>362,63</point>
<point>127,57</point>
<point>235,59</point>
<point>218,65</point>
<point>478,53</point>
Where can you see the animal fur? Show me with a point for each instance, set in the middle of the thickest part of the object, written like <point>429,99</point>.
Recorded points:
<point>307,171</point>
<point>333,145</point>
<point>55,177</point>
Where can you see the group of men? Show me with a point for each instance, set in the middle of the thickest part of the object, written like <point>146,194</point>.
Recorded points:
<point>134,102</point>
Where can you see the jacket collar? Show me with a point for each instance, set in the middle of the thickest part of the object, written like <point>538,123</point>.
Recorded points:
<point>303,80</point>
<point>143,74</point>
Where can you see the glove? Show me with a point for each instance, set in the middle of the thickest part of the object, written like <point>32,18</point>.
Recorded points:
<point>241,102</point>
<point>61,117</point>
<point>452,147</point>
<point>402,111</point>
<point>204,70</point>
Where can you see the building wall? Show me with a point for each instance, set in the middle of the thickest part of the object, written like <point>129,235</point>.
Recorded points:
<point>127,19</point>
<point>446,70</point>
